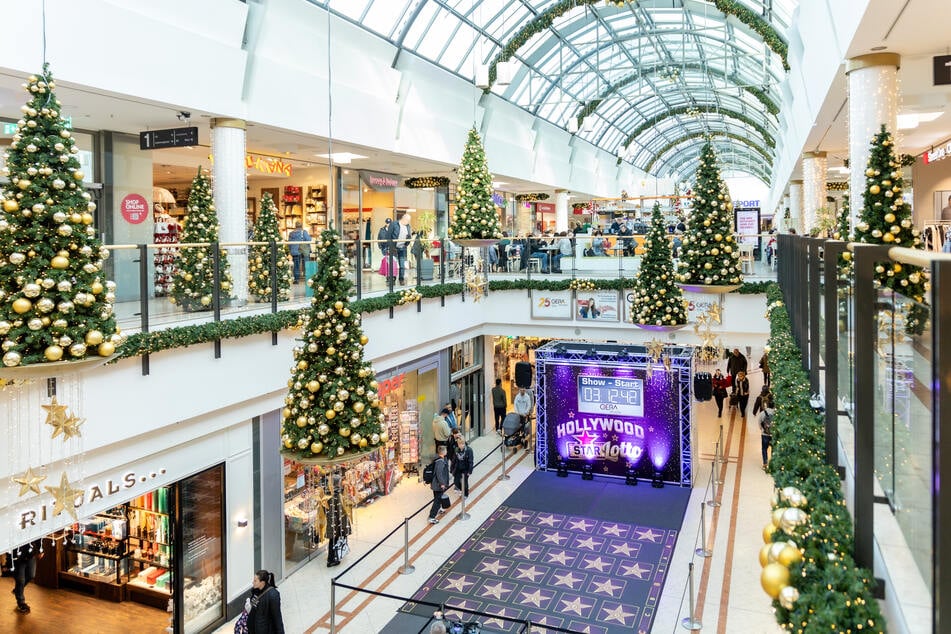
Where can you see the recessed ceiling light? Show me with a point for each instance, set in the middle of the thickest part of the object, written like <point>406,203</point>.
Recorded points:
<point>341,157</point>
<point>879,48</point>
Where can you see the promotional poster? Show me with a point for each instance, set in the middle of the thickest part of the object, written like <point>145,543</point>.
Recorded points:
<point>599,305</point>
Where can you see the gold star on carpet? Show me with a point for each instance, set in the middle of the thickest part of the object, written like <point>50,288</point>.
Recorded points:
<point>634,570</point>
<point>576,606</point>
<point>64,497</point>
<point>617,614</point>
<point>568,580</point>
<point>535,598</point>
<point>55,413</point>
<point>495,591</point>
<point>624,549</point>
<point>649,535</point>
<point>606,587</point>
<point>29,481</point>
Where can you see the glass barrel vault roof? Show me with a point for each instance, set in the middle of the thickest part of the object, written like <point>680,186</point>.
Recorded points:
<point>644,79</point>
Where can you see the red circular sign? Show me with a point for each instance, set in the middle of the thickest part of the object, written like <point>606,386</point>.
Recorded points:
<point>134,208</point>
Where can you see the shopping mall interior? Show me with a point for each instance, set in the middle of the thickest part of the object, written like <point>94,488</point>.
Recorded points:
<point>672,268</point>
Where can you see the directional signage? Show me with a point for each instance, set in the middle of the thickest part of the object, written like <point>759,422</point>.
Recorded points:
<point>175,137</point>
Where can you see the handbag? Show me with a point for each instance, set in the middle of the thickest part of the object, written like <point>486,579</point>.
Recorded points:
<point>343,548</point>
<point>444,501</point>
<point>241,625</point>
<point>734,399</point>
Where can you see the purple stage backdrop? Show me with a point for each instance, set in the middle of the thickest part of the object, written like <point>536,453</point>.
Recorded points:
<point>615,415</point>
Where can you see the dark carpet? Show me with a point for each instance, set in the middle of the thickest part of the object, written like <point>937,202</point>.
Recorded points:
<point>587,556</point>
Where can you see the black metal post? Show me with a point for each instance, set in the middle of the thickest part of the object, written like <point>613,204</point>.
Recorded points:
<point>864,394</point>
<point>144,299</point>
<point>216,290</point>
<point>462,274</point>
<point>802,300</point>
<point>419,277</point>
<point>833,250</point>
<point>272,276</point>
<point>815,246</point>
<point>442,270</point>
<point>941,461</point>
<point>358,264</point>
<point>574,254</point>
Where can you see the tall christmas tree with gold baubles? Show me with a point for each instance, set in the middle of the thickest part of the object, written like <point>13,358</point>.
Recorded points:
<point>193,285</point>
<point>658,301</point>
<point>55,302</point>
<point>886,219</point>
<point>332,408</point>
<point>709,256</point>
<point>475,217</point>
<point>259,264</point>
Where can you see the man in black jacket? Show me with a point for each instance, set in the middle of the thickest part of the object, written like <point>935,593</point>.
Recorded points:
<point>24,569</point>
<point>735,364</point>
<point>440,483</point>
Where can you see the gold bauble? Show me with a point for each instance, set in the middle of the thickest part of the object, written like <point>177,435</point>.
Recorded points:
<point>78,175</point>
<point>285,413</point>
<point>874,189</point>
<point>10,205</point>
<point>313,386</point>
<point>774,549</point>
<point>888,237</point>
<point>870,172</point>
<point>364,339</point>
<point>53,353</point>
<point>188,277</point>
<point>302,364</point>
<point>358,407</point>
<point>287,443</point>
<point>889,217</point>
<point>344,431</point>
<point>768,531</point>
<point>384,437</point>
<point>774,578</point>
<point>316,447</point>
<point>22,305</point>
<point>792,518</point>
<point>206,300</point>
<point>375,403</point>
<point>106,349</point>
<point>59,262</point>
<point>24,184</point>
<point>96,288</point>
<point>331,351</point>
<point>778,516</point>
<point>847,255</point>
<point>330,414</point>
<point>338,305</point>
<point>363,443</point>
<point>94,338</point>
<point>788,597</point>
<point>87,218</point>
<point>764,554</point>
<point>789,555</point>
<point>302,421</point>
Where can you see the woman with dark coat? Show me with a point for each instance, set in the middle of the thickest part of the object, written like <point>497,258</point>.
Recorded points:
<point>338,525</point>
<point>264,617</point>
<point>462,463</point>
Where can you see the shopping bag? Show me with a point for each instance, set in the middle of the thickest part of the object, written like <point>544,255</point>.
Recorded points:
<point>444,501</point>
<point>388,266</point>
<point>241,625</point>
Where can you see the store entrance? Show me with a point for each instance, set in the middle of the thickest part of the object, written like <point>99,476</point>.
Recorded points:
<point>472,399</point>
<point>125,568</point>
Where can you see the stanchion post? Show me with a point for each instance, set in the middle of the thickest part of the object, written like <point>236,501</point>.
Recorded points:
<point>463,516</point>
<point>503,475</point>
<point>690,623</point>
<point>406,568</point>
<point>703,551</point>
<point>714,502</point>
<point>333,606</point>
<point>718,461</point>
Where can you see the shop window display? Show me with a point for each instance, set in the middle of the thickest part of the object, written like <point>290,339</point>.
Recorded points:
<point>202,501</point>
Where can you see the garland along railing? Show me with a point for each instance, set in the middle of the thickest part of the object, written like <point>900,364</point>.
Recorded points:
<point>844,341</point>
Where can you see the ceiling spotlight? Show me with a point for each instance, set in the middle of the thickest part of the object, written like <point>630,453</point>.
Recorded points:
<point>573,125</point>
<point>183,115</point>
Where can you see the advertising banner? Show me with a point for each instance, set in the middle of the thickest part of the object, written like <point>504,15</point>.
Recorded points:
<point>551,304</point>
<point>697,304</point>
<point>599,305</point>
<point>614,417</point>
<point>747,225</point>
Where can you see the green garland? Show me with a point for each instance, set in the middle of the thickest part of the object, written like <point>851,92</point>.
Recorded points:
<point>705,135</point>
<point>531,198</point>
<point>184,336</point>
<point>834,595</point>
<point>733,114</point>
<point>544,20</point>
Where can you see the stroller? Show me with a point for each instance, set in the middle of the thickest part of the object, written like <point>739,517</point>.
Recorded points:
<point>514,431</point>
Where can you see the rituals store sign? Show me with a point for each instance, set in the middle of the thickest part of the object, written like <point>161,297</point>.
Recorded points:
<point>68,498</point>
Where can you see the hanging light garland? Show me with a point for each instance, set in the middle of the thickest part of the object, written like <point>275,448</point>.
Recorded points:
<point>530,198</point>
<point>426,182</point>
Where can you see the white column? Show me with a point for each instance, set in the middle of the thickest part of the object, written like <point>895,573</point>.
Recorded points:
<point>782,222</point>
<point>230,188</point>
<point>873,101</point>
<point>813,187</point>
<point>561,210</point>
<point>795,206</point>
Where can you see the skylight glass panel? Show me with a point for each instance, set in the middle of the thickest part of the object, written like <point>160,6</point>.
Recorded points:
<point>419,30</point>
<point>384,16</point>
<point>441,29</point>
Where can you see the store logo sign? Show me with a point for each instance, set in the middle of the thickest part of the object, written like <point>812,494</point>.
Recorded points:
<point>938,153</point>
<point>391,384</point>
<point>91,494</point>
<point>268,166</point>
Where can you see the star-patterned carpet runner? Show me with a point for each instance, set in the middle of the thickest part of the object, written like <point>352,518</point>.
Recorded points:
<point>593,559</point>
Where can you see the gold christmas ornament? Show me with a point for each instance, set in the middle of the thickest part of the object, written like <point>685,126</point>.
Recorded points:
<point>774,578</point>
<point>22,305</point>
<point>53,353</point>
<point>764,555</point>
<point>330,414</point>
<point>788,597</point>
<point>768,531</point>
<point>316,447</point>
<point>106,349</point>
<point>789,555</point>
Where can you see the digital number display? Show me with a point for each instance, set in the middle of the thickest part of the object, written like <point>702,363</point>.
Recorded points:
<point>611,396</point>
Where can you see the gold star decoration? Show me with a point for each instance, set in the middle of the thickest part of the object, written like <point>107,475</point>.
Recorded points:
<point>655,348</point>
<point>55,413</point>
<point>714,312</point>
<point>64,497</point>
<point>29,481</point>
<point>475,284</point>
<point>62,422</point>
<point>71,428</point>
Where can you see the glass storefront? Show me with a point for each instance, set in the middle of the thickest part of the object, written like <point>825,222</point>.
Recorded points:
<point>201,509</point>
<point>467,386</point>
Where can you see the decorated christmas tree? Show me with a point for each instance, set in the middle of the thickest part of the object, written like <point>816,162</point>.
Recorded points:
<point>842,232</point>
<point>475,217</point>
<point>332,408</point>
<point>194,280</point>
<point>886,219</point>
<point>658,300</point>
<point>259,264</point>
<point>55,303</point>
<point>709,255</point>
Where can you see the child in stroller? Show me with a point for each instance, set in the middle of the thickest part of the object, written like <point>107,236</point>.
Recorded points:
<point>514,431</point>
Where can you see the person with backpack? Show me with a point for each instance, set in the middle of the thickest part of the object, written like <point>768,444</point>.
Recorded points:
<point>439,484</point>
<point>766,429</point>
<point>760,403</point>
<point>462,465</point>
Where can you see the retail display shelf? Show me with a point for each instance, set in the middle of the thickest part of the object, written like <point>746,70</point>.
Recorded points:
<point>141,585</point>
<point>93,553</point>
<point>146,539</point>
<point>139,508</point>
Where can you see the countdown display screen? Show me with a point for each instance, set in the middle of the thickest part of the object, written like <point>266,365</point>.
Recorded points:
<point>613,416</point>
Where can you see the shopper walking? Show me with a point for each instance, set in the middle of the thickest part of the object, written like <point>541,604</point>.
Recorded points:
<point>500,402</point>
<point>766,429</point>
<point>462,465</point>
<point>441,429</point>
<point>720,385</point>
<point>300,250</point>
<point>264,607</point>
<point>760,403</point>
<point>735,364</point>
<point>523,404</point>
<point>440,483</point>
<point>450,415</point>
<point>383,235</point>
<point>338,524</point>
<point>764,365</point>
<point>24,569</point>
<point>741,387</point>
<point>401,234</point>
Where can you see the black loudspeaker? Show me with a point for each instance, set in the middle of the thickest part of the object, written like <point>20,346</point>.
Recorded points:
<point>523,374</point>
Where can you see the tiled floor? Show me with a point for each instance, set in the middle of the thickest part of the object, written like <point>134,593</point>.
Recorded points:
<point>727,592</point>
